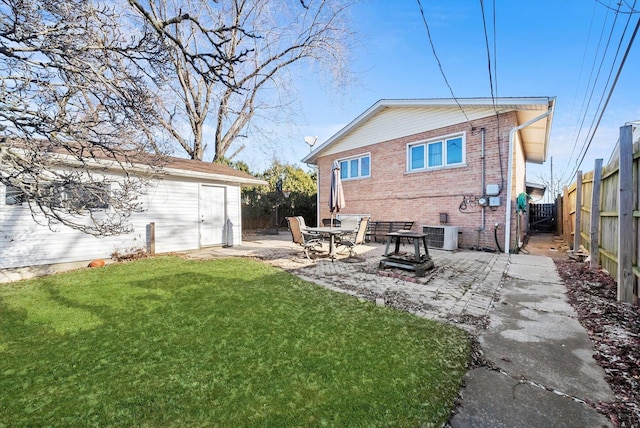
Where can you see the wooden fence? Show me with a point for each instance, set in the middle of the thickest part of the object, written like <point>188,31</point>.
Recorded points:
<point>608,216</point>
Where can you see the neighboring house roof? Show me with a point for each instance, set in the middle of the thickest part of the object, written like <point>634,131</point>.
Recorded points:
<point>535,190</point>
<point>398,118</point>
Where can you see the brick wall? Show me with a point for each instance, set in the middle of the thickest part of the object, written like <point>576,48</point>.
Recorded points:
<point>392,193</point>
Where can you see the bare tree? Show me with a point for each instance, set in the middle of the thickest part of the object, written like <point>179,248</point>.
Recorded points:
<point>252,46</point>
<point>73,91</point>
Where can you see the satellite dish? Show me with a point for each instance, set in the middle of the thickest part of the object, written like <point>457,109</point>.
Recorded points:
<point>310,140</point>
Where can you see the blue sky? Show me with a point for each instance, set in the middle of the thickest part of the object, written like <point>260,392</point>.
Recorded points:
<point>544,48</point>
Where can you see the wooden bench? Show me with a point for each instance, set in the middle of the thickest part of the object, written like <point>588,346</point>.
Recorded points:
<point>379,229</point>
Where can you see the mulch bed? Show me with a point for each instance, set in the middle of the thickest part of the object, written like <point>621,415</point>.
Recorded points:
<point>614,328</point>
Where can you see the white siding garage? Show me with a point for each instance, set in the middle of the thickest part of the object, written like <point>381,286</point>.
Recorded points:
<point>193,205</point>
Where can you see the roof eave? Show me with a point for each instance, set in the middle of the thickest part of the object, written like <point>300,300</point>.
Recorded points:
<point>547,135</point>
<point>536,102</point>
<point>115,166</point>
<point>245,182</point>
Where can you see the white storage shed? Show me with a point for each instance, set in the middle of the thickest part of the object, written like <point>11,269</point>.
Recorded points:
<point>190,205</point>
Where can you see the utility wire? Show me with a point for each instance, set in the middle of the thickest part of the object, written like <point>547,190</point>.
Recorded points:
<point>486,42</point>
<point>631,8</point>
<point>615,81</point>
<point>606,85</point>
<point>493,77</point>
<point>495,49</point>
<point>433,49</point>
<point>592,83</point>
<point>584,57</point>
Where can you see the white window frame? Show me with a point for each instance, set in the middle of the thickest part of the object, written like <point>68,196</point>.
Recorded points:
<point>63,195</point>
<point>443,139</point>
<point>358,158</point>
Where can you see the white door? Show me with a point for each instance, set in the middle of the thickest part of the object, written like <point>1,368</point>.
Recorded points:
<point>212,215</point>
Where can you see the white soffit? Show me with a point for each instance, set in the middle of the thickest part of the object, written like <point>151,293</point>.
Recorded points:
<point>535,136</point>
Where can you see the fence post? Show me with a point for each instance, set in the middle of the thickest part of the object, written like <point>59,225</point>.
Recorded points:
<point>625,217</point>
<point>576,234</point>
<point>566,216</point>
<point>594,227</point>
<point>152,238</point>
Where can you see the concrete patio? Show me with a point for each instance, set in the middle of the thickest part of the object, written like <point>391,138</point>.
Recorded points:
<point>460,290</point>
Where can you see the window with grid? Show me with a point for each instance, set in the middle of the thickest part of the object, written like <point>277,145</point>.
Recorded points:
<point>356,167</point>
<point>449,151</point>
<point>89,196</point>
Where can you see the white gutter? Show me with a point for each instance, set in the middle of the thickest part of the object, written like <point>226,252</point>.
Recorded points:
<point>318,219</point>
<point>507,223</point>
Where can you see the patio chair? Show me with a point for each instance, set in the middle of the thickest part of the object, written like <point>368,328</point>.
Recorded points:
<point>306,241</point>
<point>351,241</point>
<point>303,225</point>
<point>326,222</point>
<point>350,223</point>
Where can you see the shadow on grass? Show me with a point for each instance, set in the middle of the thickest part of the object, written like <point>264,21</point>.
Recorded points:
<point>229,342</point>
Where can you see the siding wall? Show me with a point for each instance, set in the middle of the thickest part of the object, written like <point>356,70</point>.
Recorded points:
<point>173,207</point>
<point>234,213</point>
<point>171,203</point>
<point>393,123</point>
<point>392,193</point>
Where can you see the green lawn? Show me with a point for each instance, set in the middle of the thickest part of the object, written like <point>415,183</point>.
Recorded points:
<point>229,342</point>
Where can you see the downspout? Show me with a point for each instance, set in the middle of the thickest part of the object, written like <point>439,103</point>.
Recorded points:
<point>482,190</point>
<point>507,227</point>
<point>318,223</point>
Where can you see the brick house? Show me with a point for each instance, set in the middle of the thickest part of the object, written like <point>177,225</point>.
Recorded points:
<point>453,162</point>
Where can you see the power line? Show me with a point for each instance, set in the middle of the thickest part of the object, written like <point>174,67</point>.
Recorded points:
<point>493,77</point>
<point>433,49</point>
<point>606,85</point>
<point>486,42</point>
<point>615,81</point>
<point>631,8</point>
<point>495,49</point>
<point>585,109</point>
<point>584,57</point>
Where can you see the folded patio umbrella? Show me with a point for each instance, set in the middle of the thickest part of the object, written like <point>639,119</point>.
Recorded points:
<point>336,195</point>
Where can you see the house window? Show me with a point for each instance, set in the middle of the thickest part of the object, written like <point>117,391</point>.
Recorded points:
<point>89,196</point>
<point>417,157</point>
<point>358,167</point>
<point>433,154</point>
<point>14,196</point>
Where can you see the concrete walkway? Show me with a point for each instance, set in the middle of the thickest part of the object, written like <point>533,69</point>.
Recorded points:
<point>538,368</point>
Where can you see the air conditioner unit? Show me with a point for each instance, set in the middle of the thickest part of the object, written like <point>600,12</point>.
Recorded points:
<point>441,237</point>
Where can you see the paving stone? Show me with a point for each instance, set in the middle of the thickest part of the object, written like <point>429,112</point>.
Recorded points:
<point>463,282</point>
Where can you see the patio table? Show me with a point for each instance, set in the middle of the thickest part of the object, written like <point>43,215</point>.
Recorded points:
<point>331,232</point>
